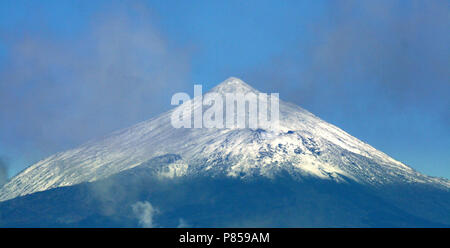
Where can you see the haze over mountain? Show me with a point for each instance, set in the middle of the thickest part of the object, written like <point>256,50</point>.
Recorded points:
<point>305,171</point>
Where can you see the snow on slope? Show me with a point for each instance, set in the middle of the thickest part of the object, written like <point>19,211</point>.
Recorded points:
<point>301,144</point>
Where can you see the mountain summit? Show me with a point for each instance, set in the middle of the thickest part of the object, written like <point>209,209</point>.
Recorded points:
<point>233,85</point>
<point>303,146</point>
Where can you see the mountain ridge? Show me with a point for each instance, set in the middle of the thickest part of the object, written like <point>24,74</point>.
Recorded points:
<point>302,144</point>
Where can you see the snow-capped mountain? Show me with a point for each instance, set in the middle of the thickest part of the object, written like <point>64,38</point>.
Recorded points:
<point>301,144</point>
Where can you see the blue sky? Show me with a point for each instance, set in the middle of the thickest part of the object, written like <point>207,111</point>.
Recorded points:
<point>71,71</point>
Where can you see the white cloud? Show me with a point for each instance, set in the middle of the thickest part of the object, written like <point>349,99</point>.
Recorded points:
<point>144,212</point>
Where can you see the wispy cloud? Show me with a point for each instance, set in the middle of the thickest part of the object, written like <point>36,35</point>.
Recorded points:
<point>182,223</point>
<point>144,212</point>
<point>58,91</point>
<point>3,171</point>
<point>369,56</point>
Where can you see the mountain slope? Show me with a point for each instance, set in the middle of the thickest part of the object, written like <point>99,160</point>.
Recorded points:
<point>222,201</point>
<point>302,144</point>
